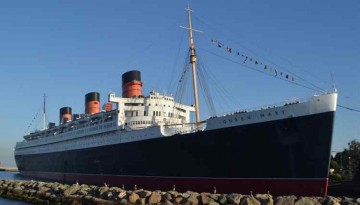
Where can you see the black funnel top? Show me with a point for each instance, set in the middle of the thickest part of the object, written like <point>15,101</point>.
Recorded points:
<point>131,76</point>
<point>65,110</point>
<point>93,96</point>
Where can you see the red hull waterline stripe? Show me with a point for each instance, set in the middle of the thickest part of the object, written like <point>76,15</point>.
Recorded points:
<point>300,187</point>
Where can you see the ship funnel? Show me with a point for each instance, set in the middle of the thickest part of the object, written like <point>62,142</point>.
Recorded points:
<point>108,107</point>
<point>65,115</point>
<point>131,84</point>
<point>92,103</point>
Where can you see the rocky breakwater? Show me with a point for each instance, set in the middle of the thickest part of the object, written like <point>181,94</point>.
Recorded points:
<point>55,193</point>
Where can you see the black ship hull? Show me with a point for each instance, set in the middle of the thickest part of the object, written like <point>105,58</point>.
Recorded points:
<point>288,156</point>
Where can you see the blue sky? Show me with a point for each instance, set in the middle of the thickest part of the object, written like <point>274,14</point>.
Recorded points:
<point>69,48</point>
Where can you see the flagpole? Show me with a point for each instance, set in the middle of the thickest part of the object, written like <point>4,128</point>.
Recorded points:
<point>193,60</point>
<point>44,114</point>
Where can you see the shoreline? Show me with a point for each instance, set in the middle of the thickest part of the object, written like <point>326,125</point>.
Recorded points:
<point>57,193</point>
<point>8,169</point>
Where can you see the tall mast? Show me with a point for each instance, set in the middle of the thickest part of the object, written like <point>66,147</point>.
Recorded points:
<point>193,64</point>
<point>44,114</point>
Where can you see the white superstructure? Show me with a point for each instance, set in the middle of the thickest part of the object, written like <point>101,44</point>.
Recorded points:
<point>154,109</point>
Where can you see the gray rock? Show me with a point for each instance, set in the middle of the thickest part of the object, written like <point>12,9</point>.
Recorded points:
<point>94,191</point>
<point>32,192</point>
<point>222,199</point>
<point>74,199</point>
<point>347,201</point>
<point>116,189</point>
<point>87,199</point>
<point>138,190</point>
<point>40,194</point>
<point>55,198</point>
<point>249,200</point>
<point>122,195</point>
<point>285,200</point>
<point>178,200</point>
<point>329,200</point>
<point>173,193</point>
<point>43,189</point>
<point>72,190</point>
<point>103,190</point>
<point>98,201</point>
<point>213,203</point>
<point>141,201</point>
<point>144,193</point>
<point>82,192</point>
<point>347,198</point>
<point>264,199</point>
<point>167,196</point>
<point>47,195</point>
<point>192,193</point>
<point>18,191</point>
<point>307,201</point>
<point>185,195</point>
<point>38,201</point>
<point>63,187</point>
<point>234,198</point>
<point>123,201</point>
<point>155,198</point>
<point>205,199</point>
<point>167,202</point>
<point>192,200</point>
<point>215,196</point>
<point>109,195</point>
<point>133,197</point>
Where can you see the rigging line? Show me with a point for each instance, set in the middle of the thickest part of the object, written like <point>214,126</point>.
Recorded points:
<point>222,33</point>
<point>206,90</point>
<point>176,61</point>
<point>33,120</point>
<point>292,73</point>
<point>221,88</point>
<point>207,93</point>
<point>263,56</point>
<point>248,67</point>
<point>205,87</point>
<point>214,29</point>
<point>348,108</point>
<point>179,90</point>
<point>182,83</point>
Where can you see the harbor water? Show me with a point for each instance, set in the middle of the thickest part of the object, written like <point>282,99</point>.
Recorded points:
<point>12,175</point>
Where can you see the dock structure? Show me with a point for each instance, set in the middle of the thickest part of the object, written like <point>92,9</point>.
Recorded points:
<point>8,169</point>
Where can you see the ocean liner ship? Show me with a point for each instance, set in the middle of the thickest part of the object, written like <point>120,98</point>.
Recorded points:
<point>150,141</point>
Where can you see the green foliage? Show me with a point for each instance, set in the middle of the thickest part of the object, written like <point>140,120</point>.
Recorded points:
<point>335,177</point>
<point>334,165</point>
<point>347,162</point>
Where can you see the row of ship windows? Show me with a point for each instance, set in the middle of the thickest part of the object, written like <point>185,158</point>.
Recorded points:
<point>141,104</point>
<point>160,98</point>
<point>139,123</point>
<point>155,113</point>
<point>62,129</point>
<point>76,143</point>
